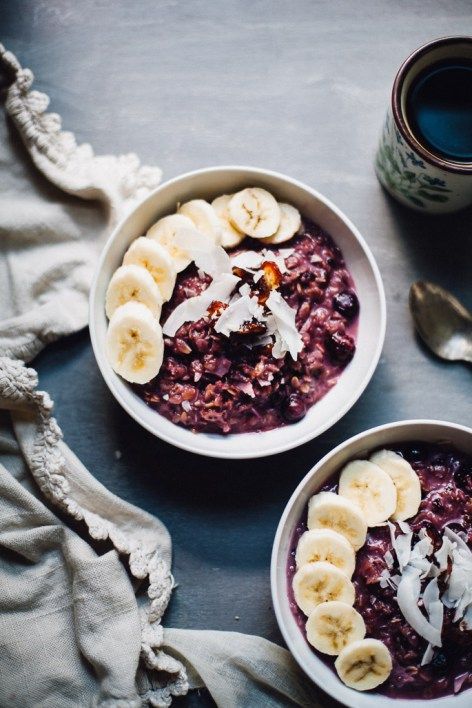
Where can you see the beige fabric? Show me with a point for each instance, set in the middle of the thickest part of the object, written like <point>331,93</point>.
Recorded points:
<point>76,627</point>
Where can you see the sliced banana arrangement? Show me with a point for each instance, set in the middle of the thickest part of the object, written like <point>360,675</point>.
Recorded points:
<point>370,492</point>
<point>151,264</point>
<point>364,664</point>
<point>333,625</point>
<point>319,582</point>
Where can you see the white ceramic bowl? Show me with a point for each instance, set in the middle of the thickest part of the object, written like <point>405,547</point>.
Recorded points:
<point>208,183</point>
<point>358,446</point>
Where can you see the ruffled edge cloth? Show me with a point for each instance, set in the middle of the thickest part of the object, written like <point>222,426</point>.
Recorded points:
<point>118,182</point>
<point>62,479</point>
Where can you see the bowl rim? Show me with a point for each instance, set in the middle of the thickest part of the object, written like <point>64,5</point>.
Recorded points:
<point>336,688</point>
<point>276,448</point>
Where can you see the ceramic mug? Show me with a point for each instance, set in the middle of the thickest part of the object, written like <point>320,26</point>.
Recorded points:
<point>407,169</point>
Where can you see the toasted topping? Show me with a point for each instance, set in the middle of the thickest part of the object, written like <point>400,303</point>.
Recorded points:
<point>195,308</point>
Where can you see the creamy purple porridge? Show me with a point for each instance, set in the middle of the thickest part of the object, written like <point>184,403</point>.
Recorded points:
<point>232,384</point>
<point>437,540</point>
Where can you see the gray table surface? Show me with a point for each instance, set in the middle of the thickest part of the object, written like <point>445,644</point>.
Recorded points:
<point>300,87</point>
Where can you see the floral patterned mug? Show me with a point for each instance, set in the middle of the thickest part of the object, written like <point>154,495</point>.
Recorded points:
<point>409,170</point>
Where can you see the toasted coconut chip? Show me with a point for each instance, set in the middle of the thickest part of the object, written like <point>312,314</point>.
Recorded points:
<point>287,337</point>
<point>408,594</point>
<point>208,256</point>
<point>428,655</point>
<point>444,553</point>
<point>239,313</point>
<point>418,557</point>
<point>252,260</point>
<point>452,536</point>
<point>249,260</point>
<point>195,308</point>
<point>401,545</point>
<point>389,559</point>
<point>404,527</point>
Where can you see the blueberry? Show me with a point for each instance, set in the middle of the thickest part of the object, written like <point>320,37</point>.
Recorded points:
<point>340,346</point>
<point>293,408</point>
<point>440,662</point>
<point>462,471</point>
<point>347,304</point>
<point>306,277</point>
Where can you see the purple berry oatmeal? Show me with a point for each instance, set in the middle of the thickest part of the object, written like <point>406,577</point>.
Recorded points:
<point>234,384</point>
<point>446,501</point>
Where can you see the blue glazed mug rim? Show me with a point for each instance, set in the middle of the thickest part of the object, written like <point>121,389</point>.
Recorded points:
<point>464,168</point>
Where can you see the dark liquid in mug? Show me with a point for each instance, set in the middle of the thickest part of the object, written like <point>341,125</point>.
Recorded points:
<point>439,109</point>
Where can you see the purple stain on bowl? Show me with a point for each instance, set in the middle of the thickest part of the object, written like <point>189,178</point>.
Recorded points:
<point>215,384</point>
<point>446,476</point>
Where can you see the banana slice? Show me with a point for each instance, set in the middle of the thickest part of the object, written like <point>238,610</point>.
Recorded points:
<point>326,545</point>
<point>230,237</point>
<point>370,488</point>
<point>364,664</point>
<point>164,232</point>
<point>203,217</point>
<point>290,223</point>
<point>131,282</point>
<point>328,510</point>
<point>254,212</point>
<point>134,344</point>
<point>148,254</point>
<point>406,481</point>
<point>333,625</point>
<point>319,582</point>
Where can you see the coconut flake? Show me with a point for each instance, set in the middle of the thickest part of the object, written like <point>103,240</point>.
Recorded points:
<point>389,559</point>
<point>404,527</point>
<point>252,260</point>
<point>384,578</point>
<point>278,260</point>
<point>186,406</point>
<point>443,553</point>
<point>195,308</point>
<point>289,338</point>
<point>459,579</point>
<point>401,545</point>
<point>245,289</point>
<point>430,594</point>
<point>457,539</point>
<point>246,387</point>
<point>464,603</point>
<point>247,260</point>
<point>207,255</point>
<point>233,317</point>
<point>428,655</point>
<point>408,594</point>
<point>418,557</point>
<point>286,252</point>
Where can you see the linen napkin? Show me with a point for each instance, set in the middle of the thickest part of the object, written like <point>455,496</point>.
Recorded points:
<point>85,576</point>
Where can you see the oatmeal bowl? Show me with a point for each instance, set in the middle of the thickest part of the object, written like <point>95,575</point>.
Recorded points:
<point>371,568</point>
<point>236,313</point>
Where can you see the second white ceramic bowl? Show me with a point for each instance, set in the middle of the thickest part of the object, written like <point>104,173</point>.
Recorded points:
<point>429,431</point>
<point>206,184</point>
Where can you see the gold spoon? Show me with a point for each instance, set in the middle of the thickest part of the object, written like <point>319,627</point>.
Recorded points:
<point>442,322</point>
